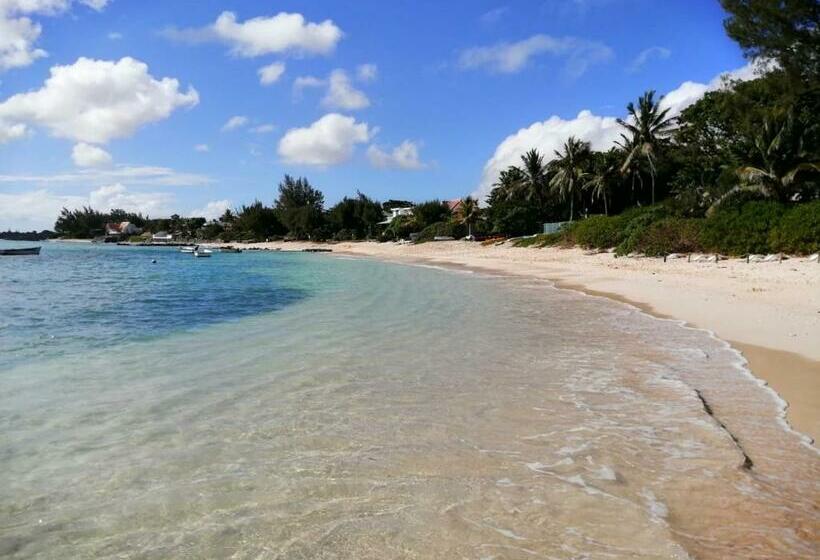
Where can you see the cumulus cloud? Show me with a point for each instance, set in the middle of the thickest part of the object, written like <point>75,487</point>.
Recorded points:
<point>601,131</point>
<point>202,148</point>
<point>18,33</point>
<point>367,72</point>
<point>95,101</point>
<point>237,121</point>
<point>403,156</point>
<point>212,210</point>
<point>38,209</point>
<point>509,58</point>
<point>282,33</point>
<point>271,73</point>
<point>658,53</point>
<point>342,95</point>
<point>328,141</point>
<point>9,132</point>
<point>304,82</point>
<point>86,155</point>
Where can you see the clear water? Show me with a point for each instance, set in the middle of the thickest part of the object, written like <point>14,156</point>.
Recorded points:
<point>272,405</point>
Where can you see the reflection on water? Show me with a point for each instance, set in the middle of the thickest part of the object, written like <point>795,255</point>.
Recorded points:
<point>403,412</point>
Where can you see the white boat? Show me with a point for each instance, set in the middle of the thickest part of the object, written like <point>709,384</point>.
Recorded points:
<point>202,253</point>
<point>188,249</point>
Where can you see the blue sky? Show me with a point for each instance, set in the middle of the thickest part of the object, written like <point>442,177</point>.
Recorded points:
<point>403,99</point>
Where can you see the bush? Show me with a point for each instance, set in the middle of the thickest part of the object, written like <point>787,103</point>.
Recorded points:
<point>400,228</point>
<point>798,231</point>
<point>596,232</point>
<point>742,229</point>
<point>635,224</point>
<point>540,240</point>
<point>442,229</point>
<point>670,235</point>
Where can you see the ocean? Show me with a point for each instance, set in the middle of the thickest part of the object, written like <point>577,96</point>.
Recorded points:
<point>287,405</point>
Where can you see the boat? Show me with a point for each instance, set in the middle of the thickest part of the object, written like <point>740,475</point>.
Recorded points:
<point>21,251</point>
<point>202,253</point>
<point>188,249</point>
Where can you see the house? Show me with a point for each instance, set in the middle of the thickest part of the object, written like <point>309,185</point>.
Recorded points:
<point>121,229</point>
<point>396,212</point>
<point>162,237</point>
<point>453,205</point>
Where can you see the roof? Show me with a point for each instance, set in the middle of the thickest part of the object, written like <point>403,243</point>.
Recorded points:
<point>453,205</point>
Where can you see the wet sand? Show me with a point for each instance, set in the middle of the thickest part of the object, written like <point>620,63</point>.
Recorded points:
<point>768,311</point>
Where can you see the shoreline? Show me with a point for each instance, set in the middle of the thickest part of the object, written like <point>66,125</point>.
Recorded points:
<point>769,313</point>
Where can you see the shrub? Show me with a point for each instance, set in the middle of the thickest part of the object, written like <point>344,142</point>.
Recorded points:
<point>670,235</point>
<point>635,223</point>
<point>798,231</point>
<point>441,229</point>
<point>742,229</point>
<point>596,232</point>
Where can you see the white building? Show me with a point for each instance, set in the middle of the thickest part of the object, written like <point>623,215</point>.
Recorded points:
<point>396,212</point>
<point>162,237</point>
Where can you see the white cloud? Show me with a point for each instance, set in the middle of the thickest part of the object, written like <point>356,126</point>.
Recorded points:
<point>367,72</point>
<point>328,141</point>
<point>115,35</point>
<point>19,33</point>
<point>237,121</point>
<point>601,131</point>
<point>9,132</point>
<point>403,156</point>
<point>492,16</point>
<point>342,95</point>
<point>86,155</point>
<point>659,53</point>
<point>95,101</point>
<point>303,82</point>
<point>127,174</point>
<point>264,128</point>
<point>271,73</point>
<point>202,148</point>
<point>509,58</point>
<point>282,33</point>
<point>38,209</point>
<point>212,210</point>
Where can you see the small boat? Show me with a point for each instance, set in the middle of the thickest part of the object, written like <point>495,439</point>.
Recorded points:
<point>188,249</point>
<point>202,253</point>
<point>21,251</point>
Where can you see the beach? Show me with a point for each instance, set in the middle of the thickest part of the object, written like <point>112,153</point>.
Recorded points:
<point>768,311</point>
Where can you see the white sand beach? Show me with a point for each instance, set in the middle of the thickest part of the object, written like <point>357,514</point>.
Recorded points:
<point>768,311</point>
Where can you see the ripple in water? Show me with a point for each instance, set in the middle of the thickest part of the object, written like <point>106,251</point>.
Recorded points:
<point>401,412</point>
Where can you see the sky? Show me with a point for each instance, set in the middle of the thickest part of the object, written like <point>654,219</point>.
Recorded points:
<point>192,107</point>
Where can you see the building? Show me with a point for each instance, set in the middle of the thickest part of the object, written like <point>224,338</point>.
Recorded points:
<point>396,212</point>
<point>121,229</point>
<point>454,205</point>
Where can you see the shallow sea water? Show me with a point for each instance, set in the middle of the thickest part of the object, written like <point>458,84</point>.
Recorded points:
<point>268,405</point>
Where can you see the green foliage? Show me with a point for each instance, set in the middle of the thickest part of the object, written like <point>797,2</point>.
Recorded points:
<point>541,240</point>
<point>430,212</point>
<point>400,228</point>
<point>82,223</point>
<point>256,222</point>
<point>742,229</point>
<point>668,235</point>
<point>443,229</point>
<point>596,232</point>
<point>300,207</point>
<point>798,231</point>
<point>355,218</point>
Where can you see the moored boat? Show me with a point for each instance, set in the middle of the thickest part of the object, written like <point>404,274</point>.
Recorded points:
<point>202,253</point>
<point>21,251</point>
<point>189,249</point>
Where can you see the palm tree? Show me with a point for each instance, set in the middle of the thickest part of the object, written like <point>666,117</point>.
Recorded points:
<point>781,156</point>
<point>570,170</point>
<point>605,169</point>
<point>469,213</point>
<point>509,184</point>
<point>528,182</point>
<point>648,126</point>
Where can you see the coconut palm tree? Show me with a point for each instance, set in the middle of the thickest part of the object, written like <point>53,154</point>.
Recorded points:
<point>469,213</point>
<point>509,184</point>
<point>605,171</point>
<point>648,125</point>
<point>570,170</point>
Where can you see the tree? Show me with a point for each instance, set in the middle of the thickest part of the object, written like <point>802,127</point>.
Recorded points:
<point>300,207</point>
<point>469,213</point>
<point>648,126</point>
<point>781,158</point>
<point>429,213</point>
<point>570,170</point>
<point>355,218</point>
<point>604,174</point>
<point>785,30</point>
<point>256,221</point>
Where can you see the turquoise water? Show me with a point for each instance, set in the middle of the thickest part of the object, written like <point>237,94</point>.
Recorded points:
<point>274,405</point>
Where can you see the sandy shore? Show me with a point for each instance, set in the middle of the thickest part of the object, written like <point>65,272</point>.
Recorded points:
<point>768,311</point>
